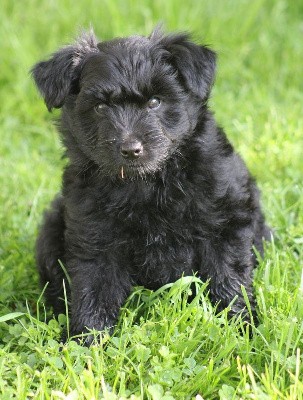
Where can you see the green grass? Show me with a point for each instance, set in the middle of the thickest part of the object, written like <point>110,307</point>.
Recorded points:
<point>163,347</point>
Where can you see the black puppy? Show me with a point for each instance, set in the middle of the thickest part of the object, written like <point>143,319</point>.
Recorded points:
<point>153,189</point>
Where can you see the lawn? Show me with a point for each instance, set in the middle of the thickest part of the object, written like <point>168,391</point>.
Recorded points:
<point>163,347</point>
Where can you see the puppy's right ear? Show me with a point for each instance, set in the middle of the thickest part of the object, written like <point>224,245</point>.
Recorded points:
<point>57,77</point>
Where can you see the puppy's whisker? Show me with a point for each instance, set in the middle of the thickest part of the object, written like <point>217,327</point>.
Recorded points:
<point>107,141</point>
<point>164,133</point>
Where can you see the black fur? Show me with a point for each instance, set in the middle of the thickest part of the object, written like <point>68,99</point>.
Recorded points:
<point>152,190</point>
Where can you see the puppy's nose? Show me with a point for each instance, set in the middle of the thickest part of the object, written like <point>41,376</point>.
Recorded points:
<point>131,150</point>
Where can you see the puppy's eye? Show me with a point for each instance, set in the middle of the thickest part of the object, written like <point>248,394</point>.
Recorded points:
<point>153,103</point>
<point>99,108</point>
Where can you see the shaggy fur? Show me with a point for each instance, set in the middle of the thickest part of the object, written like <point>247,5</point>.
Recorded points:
<point>153,189</point>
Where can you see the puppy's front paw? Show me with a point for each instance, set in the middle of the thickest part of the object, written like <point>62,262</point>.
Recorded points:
<point>90,332</point>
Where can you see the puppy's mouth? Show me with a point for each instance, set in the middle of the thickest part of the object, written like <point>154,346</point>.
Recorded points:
<point>135,170</point>
<point>131,170</point>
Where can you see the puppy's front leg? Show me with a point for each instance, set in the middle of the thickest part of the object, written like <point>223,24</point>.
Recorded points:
<point>98,290</point>
<point>226,287</point>
<point>230,267</point>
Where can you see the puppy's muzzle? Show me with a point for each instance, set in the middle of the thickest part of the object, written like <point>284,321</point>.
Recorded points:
<point>131,150</point>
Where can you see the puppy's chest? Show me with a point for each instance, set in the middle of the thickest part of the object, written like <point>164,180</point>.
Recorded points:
<point>160,252</point>
<point>152,238</point>
<point>153,221</point>
<point>159,238</point>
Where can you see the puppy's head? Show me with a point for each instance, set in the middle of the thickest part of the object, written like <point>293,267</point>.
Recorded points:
<point>128,103</point>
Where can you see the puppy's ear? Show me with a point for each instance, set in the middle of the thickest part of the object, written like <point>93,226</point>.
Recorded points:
<point>196,64</point>
<point>58,76</point>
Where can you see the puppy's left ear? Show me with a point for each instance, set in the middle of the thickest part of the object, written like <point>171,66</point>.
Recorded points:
<point>196,64</point>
